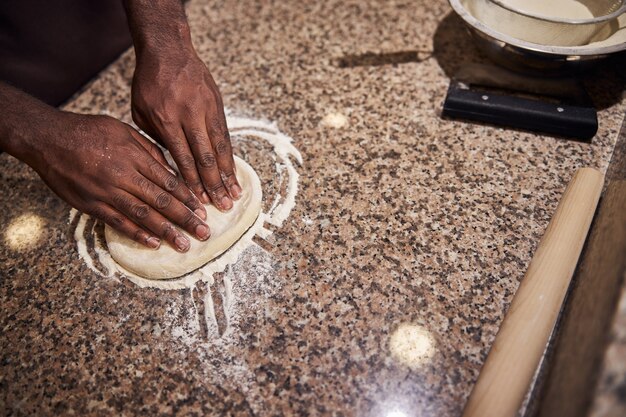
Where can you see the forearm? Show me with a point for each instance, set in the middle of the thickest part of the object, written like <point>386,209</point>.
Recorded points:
<point>23,123</point>
<point>158,25</point>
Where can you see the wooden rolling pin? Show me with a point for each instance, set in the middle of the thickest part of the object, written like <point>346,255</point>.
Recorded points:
<point>524,333</point>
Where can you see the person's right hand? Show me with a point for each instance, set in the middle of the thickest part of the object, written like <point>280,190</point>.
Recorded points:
<point>107,169</point>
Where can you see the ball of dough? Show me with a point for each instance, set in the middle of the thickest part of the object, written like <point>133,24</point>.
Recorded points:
<point>226,229</point>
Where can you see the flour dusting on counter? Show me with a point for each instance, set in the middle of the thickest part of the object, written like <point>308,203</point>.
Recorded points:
<point>92,250</point>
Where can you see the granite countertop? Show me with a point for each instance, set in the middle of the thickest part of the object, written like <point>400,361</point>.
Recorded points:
<point>381,292</point>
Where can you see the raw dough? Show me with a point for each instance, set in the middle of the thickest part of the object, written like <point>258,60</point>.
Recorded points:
<point>226,229</point>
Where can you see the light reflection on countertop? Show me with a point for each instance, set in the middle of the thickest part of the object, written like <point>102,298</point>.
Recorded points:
<point>412,345</point>
<point>24,231</point>
<point>396,414</point>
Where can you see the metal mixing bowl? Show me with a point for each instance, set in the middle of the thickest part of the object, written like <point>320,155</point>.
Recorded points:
<point>529,57</point>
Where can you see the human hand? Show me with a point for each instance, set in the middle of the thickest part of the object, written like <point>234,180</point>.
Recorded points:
<point>107,169</point>
<point>176,101</point>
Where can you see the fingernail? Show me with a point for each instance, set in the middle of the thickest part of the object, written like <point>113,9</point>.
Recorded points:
<point>226,203</point>
<point>205,198</point>
<point>235,191</point>
<point>153,242</point>
<point>202,232</point>
<point>182,243</point>
<point>200,213</point>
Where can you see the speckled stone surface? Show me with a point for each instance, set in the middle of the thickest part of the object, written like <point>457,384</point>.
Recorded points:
<point>401,218</point>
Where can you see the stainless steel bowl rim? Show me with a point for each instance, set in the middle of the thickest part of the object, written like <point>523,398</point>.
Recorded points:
<point>554,50</point>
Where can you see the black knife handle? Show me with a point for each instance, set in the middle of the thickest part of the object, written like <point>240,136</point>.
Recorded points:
<point>566,120</point>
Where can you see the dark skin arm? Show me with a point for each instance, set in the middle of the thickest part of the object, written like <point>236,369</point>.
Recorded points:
<point>106,168</point>
<point>176,101</point>
<point>102,167</point>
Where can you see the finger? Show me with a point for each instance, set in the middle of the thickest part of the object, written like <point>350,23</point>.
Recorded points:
<point>124,225</point>
<point>142,214</point>
<point>222,147</point>
<point>152,149</point>
<point>207,166</point>
<point>173,185</point>
<point>167,205</point>
<point>186,163</point>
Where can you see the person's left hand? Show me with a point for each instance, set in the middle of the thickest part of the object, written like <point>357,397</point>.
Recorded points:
<point>176,101</point>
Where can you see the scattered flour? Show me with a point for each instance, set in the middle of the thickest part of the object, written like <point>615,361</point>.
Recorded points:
<point>283,153</point>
